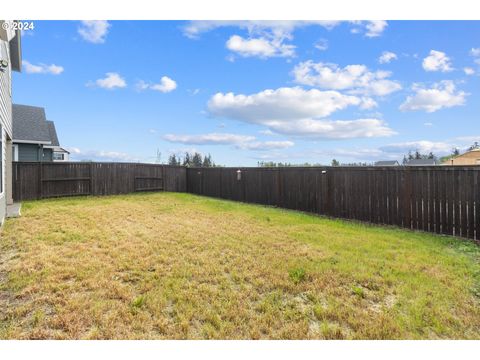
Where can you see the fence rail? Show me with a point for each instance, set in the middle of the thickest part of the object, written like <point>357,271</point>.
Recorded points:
<point>439,199</point>
<point>42,180</point>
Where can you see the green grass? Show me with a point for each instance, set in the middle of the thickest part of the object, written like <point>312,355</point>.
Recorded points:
<point>177,266</point>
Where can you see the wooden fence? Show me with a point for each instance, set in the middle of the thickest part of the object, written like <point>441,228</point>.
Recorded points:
<point>439,199</point>
<point>34,180</point>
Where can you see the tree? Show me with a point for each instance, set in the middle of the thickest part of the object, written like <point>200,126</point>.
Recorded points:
<point>172,160</point>
<point>197,160</point>
<point>335,162</point>
<point>207,161</point>
<point>474,146</point>
<point>187,161</point>
<point>158,158</point>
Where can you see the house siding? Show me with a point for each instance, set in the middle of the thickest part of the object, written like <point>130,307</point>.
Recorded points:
<point>5,120</point>
<point>28,152</point>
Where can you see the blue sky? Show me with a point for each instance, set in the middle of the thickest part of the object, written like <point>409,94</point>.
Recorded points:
<point>251,91</point>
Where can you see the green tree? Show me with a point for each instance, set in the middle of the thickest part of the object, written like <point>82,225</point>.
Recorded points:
<point>187,160</point>
<point>335,162</point>
<point>172,160</point>
<point>197,160</point>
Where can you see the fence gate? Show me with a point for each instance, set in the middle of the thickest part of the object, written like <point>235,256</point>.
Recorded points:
<point>149,177</point>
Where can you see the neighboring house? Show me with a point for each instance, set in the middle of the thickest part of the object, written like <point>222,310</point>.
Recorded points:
<point>387,163</point>
<point>421,162</point>
<point>471,157</point>
<point>10,60</point>
<point>35,137</point>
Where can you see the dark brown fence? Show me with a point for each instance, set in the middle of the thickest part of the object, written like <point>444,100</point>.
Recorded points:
<point>43,180</point>
<point>439,199</point>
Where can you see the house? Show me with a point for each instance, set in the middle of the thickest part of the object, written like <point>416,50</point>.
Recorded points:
<point>387,163</point>
<point>35,137</point>
<point>471,157</point>
<point>10,60</point>
<point>421,162</point>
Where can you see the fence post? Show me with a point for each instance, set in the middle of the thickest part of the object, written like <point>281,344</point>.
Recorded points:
<point>40,180</point>
<point>91,179</point>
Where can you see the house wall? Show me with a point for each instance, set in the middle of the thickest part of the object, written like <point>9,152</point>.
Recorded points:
<point>470,158</point>
<point>5,120</point>
<point>33,152</point>
<point>28,152</point>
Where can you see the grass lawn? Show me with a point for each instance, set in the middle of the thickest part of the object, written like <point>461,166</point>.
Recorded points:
<point>169,265</point>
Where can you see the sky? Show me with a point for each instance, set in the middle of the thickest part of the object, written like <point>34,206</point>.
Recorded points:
<point>288,91</point>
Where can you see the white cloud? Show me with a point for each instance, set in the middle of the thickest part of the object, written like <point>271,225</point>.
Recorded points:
<point>386,57</point>
<point>423,146</point>
<point>267,38</point>
<point>295,111</point>
<point>356,78</point>
<point>437,61</point>
<point>372,28</point>
<point>267,145</point>
<point>375,28</point>
<point>475,52</point>
<point>440,95</point>
<point>209,139</point>
<point>321,44</point>
<point>100,155</point>
<point>428,124</point>
<point>245,142</point>
<point>279,27</point>
<point>165,85</point>
<point>94,31</point>
<point>41,68</point>
<point>280,104</point>
<point>110,81</point>
<point>261,47</point>
<point>332,129</point>
<point>468,71</point>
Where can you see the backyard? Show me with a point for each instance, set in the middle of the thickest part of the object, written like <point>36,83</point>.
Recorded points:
<point>180,266</point>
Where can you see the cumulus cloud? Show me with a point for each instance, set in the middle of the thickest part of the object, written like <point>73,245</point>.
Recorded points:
<point>245,142</point>
<point>356,78</point>
<point>268,38</point>
<point>295,111</point>
<point>441,95</point>
<point>260,47</point>
<point>100,155</point>
<point>437,61</point>
<point>468,71</point>
<point>110,81</point>
<point>94,31</point>
<point>280,104</point>
<point>165,85</point>
<point>386,57</point>
<point>41,68</point>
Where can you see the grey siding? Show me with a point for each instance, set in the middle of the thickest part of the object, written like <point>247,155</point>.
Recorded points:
<point>47,155</point>
<point>5,120</point>
<point>28,152</point>
<point>32,152</point>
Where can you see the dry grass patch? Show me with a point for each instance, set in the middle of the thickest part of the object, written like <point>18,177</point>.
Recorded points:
<point>155,266</point>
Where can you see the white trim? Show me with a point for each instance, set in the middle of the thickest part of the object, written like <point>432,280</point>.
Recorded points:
<point>15,152</point>
<point>32,142</point>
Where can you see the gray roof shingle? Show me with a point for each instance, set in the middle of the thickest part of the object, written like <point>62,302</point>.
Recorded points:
<point>53,133</point>
<point>31,124</point>
<point>387,163</point>
<point>421,162</point>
